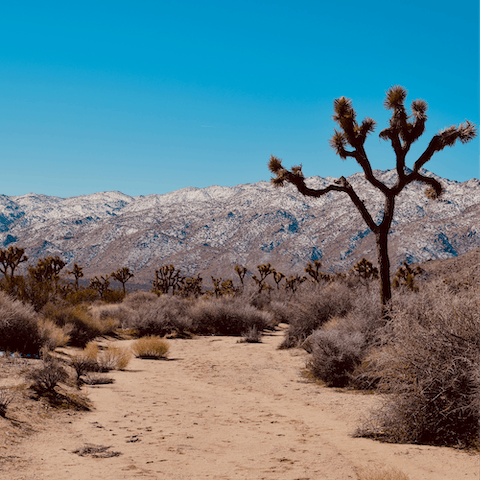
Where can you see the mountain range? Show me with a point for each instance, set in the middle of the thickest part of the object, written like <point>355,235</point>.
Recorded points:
<point>210,230</point>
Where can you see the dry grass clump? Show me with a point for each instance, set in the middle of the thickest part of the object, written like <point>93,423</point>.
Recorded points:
<point>92,359</point>
<point>380,473</point>
<point>151,347</point>
<point>314,306</point>
<point>97,379</point>
<point>6,397</point>
<point>165,316</point>
<point>227,316</point>
<point>428,365</point>
<point>252,335</point>
<point>113,358</point>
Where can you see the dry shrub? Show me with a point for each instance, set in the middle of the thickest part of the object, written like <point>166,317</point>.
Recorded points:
<point>314,306</point>
<point>335,354</point>
<point>19,330</point>
<point>340,345</point>
<point>152,347</point>
<point>83,327</point>
<point>48,376</point>
<point>380,473</point>
<point>138,299</point>
<point>97,379</point>
<point>52,335</point>
<point>252,335</point>
<point>227,316</point>
<point>165,316</point>
<point>6,397</point>
<point>113,358</point>
<point>428,365</point>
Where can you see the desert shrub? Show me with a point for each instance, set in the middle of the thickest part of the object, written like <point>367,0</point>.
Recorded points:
<point>428,364</point>
<point>6,397</point>
<point>281,312</point>
<point>51,334</point>
<point>138,299</point>
<point>227,316</point>
<point>84,295</point>
<point>111,316</point>
<point>83,327</point>
<point>335,354</point>
<point>113,358</point>
<point>315,304</point>
<point>252,335</point>
<point>380,473</point>
<point>164,316</point>
<point>48,376</point>
<point>152,347</point>
<point>113,296</point>
<point>19,329</point>
<point>97,379</point>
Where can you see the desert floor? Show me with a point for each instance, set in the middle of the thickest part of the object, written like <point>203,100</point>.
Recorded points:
<point>218,409</point>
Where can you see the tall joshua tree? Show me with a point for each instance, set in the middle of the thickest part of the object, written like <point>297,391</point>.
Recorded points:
<point>349,141</point>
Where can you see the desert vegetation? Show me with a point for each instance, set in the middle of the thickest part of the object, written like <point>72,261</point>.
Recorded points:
<point>419,350</point>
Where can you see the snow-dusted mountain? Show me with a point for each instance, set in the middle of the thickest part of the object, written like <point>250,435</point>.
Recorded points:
<point>210,230</point>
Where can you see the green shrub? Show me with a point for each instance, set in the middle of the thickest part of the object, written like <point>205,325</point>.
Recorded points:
<point>428,365</point>
<point>152,347</point>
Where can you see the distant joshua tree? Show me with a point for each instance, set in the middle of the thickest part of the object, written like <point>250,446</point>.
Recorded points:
<point>10,259</point>
<point>122,275</point>
<point>349,141</point>
<point>77,272</point>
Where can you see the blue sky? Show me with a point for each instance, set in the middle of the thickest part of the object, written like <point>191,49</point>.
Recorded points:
<point>149,97</point>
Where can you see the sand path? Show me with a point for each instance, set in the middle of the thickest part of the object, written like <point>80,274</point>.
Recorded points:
<point>224,410</point>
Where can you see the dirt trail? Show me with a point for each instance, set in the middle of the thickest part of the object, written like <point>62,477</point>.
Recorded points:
<point>223,410</point>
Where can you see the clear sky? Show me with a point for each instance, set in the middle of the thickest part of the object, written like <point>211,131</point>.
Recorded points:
<point>152,96</point>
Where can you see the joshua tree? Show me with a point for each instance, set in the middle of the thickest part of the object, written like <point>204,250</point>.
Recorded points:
<point>122,275</point>
<point>406,276</point>
<point>167,277</point>
<point>264,271</point>
<point>364,270</point>
<point>241,272</point>
<point>349,141</point>
<point>100,284</point>
<point>278,277</point>
<point>10,259</point>
<point>314,271</point>
<point>77,272</point>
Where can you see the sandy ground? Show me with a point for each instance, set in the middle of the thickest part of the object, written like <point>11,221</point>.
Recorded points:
<point>218,409</point>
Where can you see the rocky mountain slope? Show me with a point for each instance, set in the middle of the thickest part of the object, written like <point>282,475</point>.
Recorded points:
<point>210,230</point>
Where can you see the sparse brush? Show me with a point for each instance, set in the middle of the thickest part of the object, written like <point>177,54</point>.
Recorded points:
<point>52,335</point>
<point>380,473</point>
<point>19,330</point>
<point>6,397</point>
<point>315,304</point>
<point>97,379</point>
<point>151,347</point>
<point>335,355</point>
<point>227,316</point>
<point>428,364</point>
<point>252,335</point>
<point>48,376</point>
<point>165,316</point>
